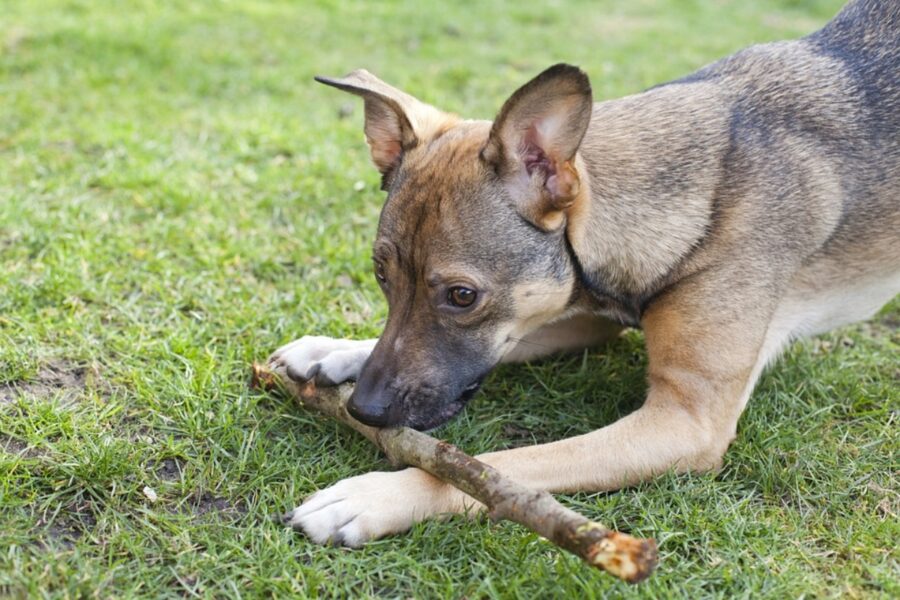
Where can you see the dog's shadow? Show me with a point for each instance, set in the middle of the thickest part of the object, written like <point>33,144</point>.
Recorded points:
<point>557,397</point>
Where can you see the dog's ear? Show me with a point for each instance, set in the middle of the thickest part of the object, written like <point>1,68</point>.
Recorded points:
<point>395,121</point>
<point>534,139</point>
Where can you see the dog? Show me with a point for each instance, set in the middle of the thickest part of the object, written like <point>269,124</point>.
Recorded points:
<point>726,214</point>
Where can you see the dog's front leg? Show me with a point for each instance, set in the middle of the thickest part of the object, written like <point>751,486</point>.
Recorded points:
<point>705,356</point>
<point>657,437</point>
<point>700,373</point>
<point>647,442</point>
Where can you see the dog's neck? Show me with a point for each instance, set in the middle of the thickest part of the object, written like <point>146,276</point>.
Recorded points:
<point>651,165</point>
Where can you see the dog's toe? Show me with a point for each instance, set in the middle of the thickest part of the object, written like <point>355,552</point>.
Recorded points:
<point>357,510</point>
<point>325,360</point>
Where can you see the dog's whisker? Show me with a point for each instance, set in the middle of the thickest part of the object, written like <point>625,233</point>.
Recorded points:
<point>529,342</point>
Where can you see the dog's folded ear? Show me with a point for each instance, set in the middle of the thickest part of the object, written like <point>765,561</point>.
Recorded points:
<point>534,140</point>
<point>395,121</point>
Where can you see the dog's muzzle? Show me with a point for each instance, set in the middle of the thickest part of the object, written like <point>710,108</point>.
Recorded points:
<point>376,404</point>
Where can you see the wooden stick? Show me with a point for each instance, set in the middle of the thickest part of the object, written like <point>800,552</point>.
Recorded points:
<point>619,554</point>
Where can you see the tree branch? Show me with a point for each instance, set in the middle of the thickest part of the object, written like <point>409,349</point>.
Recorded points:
<point>619,554</point>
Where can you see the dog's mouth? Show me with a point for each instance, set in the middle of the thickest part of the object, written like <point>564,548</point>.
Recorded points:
<point>470,390</point>
<point>449,409</point>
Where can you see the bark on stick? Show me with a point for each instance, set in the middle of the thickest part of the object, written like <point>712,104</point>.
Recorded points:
<point>629,558</point>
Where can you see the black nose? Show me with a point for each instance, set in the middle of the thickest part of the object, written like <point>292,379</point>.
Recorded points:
<point>372,402</point>
<point>375,415</point>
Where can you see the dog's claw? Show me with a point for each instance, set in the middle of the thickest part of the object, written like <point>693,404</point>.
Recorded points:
<point>313,371</point>
<point>294,375</point>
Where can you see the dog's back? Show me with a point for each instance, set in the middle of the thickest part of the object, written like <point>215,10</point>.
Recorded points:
<point>813,152</point>
<point>864,39</point>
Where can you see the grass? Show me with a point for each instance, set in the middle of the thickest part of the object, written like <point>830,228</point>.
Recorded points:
<point>177,198</point>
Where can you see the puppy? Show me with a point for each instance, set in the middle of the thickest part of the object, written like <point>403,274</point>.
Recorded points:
<point>726,213</point>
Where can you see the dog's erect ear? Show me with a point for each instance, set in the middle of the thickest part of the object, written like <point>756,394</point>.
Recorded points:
<point>395,121</point>
<point>534,139</point>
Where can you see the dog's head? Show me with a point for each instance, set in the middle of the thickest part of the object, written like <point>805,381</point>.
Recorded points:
<point>471,250</point>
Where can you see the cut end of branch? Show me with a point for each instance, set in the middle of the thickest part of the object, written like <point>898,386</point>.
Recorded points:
<point>262,378</point>
<point>624,556</point>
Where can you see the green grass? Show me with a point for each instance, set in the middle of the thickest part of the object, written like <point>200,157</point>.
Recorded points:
<point>178,198</point>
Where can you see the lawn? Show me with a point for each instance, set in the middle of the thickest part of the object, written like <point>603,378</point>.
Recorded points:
<point>178,198</point>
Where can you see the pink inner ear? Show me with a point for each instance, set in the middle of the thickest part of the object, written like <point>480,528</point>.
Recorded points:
<point>385,154</point>
<point>533,155</point>
<point>560,181</point>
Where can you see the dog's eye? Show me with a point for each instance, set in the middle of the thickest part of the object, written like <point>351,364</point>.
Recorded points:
<point>379,273</point>
<point>461,297</point>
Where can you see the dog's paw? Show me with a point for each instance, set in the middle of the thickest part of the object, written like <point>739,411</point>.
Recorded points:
<point>328,361</point>
<point>367,507</point>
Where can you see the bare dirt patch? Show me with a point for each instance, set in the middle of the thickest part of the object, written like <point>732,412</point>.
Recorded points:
<point>206,503</point>
<point>11,445</point>
<point>169,469</point>
<point>204,507</point>
<point>67,526</point>
<point>57,378</point>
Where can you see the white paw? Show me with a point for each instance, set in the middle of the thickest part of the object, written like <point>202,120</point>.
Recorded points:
<point>328,360</point>
<point>356,510</point>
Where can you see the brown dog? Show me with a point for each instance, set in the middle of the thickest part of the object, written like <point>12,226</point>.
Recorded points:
<point>726,213</point>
